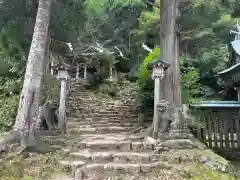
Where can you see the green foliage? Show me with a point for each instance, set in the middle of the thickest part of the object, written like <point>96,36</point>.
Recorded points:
<point>100,8</point>
<point>11,66</point>
<point>143,72</point>
<point>50,88</point>
<point>189,82</point>
<point>190,88</point>
<point>145,98</point>
<point>8,111</point>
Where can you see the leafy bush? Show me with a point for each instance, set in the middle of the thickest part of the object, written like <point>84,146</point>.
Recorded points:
<point>145,98</point>
<point>8,111</point>
<point>143,72</point>
<point>50,88</point>
<point>190,76</point>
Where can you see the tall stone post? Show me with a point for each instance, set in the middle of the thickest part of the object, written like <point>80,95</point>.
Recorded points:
<point>52,70</point>
<point>63,76</point>
<point>158,68</point>
<point>62,105</point>
<point>156,99</point>
<point>85,71</point>
<point>110,73</point>
<point>78,71</point>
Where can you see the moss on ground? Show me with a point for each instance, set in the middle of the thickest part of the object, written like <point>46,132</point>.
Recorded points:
<point>29,166</point>
<point>201,172</point>
<point>215,167</point>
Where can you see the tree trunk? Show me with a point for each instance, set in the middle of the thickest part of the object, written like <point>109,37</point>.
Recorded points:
<point>170,84</point>
<point>31,92</point>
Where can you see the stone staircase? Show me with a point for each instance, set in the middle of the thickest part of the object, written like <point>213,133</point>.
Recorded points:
<point>100,136</point>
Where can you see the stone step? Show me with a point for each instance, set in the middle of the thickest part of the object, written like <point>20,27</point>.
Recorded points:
<point>133,168</point>
<point>47,132</point>
<point>109,129</point>
<point>70,165</point>
<point>81,115</point>
<point>97,112</point>
<point>113,156</point>
<point>102,120</point>
<point>60,141</point>
<point>122,146</point>
<point>115,137</point>
<point>84,101</point>
<point>96,124</point>
<point>101,124</point>
<point>109,108</point>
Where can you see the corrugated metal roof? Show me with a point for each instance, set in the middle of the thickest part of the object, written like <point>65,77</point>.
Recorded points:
<point>216,104</point>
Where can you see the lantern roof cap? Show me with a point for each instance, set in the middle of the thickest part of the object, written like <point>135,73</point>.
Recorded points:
<point>62,66</point>
<point>158,63</point>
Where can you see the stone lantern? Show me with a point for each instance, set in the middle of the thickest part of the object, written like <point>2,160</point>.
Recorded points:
<point>63,75</point>
<point>158,68</point>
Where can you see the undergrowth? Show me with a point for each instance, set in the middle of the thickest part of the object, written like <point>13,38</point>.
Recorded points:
<point>28,166</point>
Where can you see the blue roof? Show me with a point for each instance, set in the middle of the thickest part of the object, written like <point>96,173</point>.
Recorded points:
<point>216,104</point>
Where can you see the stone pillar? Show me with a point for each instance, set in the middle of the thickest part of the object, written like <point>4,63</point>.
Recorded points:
<point>52,70</point>
<point>157,75</point>
<point>85,71</point>
<point>62,105</point>
<point>156,100</point>
<point>110,73</point>
<point>77,71</point>
<point>63,76</point>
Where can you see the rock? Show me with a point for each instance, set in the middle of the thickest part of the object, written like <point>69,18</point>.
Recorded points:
<point>151,140</point>
<point>203,159</point>
<point>212,165</point>
<point>223,169</point>
<point>3,149</point>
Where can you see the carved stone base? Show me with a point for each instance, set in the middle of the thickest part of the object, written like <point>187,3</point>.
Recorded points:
<point>180,134</point>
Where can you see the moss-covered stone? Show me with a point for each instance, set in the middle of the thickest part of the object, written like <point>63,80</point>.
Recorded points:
<point>200,172</point>
<point>200,164</point>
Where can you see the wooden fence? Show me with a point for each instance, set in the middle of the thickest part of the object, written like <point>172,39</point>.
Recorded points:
<point>221,124</point>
